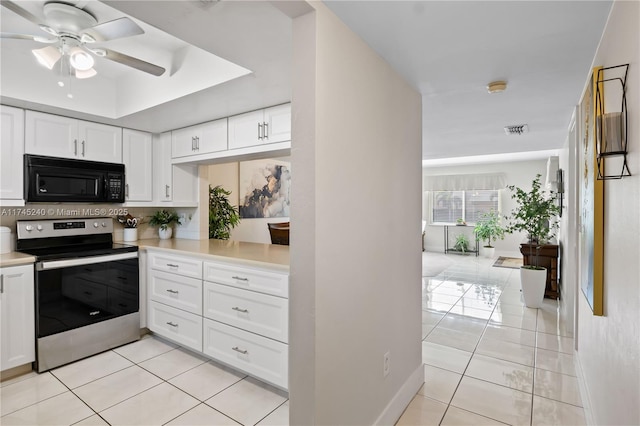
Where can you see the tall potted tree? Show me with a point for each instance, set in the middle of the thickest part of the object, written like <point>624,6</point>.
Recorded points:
<point>535,214</point>
<point>488,228</point>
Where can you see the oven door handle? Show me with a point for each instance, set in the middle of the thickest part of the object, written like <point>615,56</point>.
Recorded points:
<point>57,264</point>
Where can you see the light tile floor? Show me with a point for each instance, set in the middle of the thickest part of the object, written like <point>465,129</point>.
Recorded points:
<point>488,360</point>
<point>149,382</point>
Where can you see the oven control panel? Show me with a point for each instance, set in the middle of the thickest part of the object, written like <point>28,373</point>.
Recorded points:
<point>28,229</point>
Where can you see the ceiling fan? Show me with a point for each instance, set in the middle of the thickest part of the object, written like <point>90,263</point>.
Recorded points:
<point>71,35</point>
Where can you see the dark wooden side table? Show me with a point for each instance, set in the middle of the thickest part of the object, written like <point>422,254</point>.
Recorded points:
<point>548,258</point>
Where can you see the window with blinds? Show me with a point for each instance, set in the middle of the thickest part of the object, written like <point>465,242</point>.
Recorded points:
<point>449,206</point>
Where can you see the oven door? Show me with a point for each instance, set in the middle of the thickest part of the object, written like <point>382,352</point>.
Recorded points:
<point>73,293</point>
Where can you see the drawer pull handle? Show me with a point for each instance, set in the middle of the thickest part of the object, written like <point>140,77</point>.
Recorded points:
<point>237,349</point>
<point>171,265</point>
<point>172,324</point>
<point>244,311</point>
<point>172,291</point>
<point>240,278</point>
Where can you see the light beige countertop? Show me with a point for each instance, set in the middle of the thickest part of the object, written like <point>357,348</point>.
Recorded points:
<point>272,256</point>
<point>15,258</point>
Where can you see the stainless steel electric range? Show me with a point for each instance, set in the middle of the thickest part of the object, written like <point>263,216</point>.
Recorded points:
<point>86,288</point>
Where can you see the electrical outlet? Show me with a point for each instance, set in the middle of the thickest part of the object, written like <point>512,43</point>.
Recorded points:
<point>387,364</point>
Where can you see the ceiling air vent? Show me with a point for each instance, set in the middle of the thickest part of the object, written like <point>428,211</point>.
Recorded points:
<point>516,130</point>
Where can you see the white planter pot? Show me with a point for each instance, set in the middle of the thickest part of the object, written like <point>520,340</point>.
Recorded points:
<point>488,252</point>
<point>533,283</point>
<point>130,234</point>
<point>165,234</point>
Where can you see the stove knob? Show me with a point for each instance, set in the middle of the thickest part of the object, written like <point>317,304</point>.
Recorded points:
<point>39,228</point>
<point>28,228</point>
<point>95,224</point>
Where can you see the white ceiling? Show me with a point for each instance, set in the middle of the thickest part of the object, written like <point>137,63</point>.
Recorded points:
<point>117,90</point>
<point>448,50</point>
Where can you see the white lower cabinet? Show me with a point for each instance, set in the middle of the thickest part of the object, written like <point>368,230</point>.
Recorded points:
<point>234,314</point>
<point>182,327</point>
<point>258,313</point>
<point>263,358</point>
<point>17,324</point>
<point>180,292</point>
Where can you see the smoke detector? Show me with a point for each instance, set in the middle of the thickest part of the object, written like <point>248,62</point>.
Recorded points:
<point>518,129</point>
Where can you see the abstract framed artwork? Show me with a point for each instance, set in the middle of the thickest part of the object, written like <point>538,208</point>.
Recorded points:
<point>592,206</point>
<point>265,188</point>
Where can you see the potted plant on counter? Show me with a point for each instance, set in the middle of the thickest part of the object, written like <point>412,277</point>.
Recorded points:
<point>222,215</point>
<point>164,219</point>
<point>534,214</point>
<point>488,227</point>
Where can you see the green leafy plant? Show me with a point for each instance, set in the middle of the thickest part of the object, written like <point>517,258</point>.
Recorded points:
<point>488,227</point>
<point>164,218</point>
<point>460,221</point>
<point>222,215</point>
<point>534,214</point>
<point>462,243</point>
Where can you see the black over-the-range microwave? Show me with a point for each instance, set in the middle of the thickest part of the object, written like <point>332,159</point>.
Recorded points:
<point>49,179</point>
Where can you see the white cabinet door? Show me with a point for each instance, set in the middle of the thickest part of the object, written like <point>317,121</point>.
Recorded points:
<point>183,141</point>
<point>16,316</point>
<point>246,129</point>
<point>162,176</point>
<point>213,137</point>
<point>277,124</point>
<point>200,139</point>
<point>137,159</point>
<point>99,142</point>
<point>11,153</point>
<point>52,135</point>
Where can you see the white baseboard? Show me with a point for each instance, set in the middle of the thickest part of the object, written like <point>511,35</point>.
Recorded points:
<point>402,398</point>
<point>584,391</point>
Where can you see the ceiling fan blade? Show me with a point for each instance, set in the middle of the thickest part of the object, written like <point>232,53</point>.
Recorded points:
<point>111,30</point>
<point>20,11</point>
<point>132,62</point>
<point>28,37</point>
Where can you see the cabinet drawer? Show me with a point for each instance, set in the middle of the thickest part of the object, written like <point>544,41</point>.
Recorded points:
<point>176,291</point>
<point>259,313</point>
<point>176,264</point>
<point>247,278</point>
<point>263,358</point>
<point>182,327</point>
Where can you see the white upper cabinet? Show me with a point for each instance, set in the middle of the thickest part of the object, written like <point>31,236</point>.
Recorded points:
<point>200,139</point>
<point>260,127</point>
<point>57,136</point>
<point>138,161</point>
<point>162,176</point>
<point>99,142</point>
<point>11,153</point>
<point>177,184</point>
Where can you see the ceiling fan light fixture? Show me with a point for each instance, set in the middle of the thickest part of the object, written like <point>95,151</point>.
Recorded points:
<point>47,56</point>
<point>48,29</point>
<point>497,86</point>
<point>86,73</point>
<point>87,38</point>
<point>80,60</point>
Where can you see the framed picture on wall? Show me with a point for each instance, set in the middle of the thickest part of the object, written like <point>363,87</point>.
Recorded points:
<point>265,188</point>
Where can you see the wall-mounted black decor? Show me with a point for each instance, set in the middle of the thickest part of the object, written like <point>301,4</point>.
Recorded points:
<point>611,122</point>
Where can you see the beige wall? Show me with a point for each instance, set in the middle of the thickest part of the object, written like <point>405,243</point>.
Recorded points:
<point>356,252</point>
<point>609,346</point>
<point>250,230</point>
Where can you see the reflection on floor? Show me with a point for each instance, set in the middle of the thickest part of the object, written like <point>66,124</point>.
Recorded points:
<point>488,358</point>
